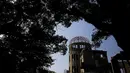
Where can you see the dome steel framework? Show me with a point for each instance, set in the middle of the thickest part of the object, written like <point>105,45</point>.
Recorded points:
<point>79,39</point>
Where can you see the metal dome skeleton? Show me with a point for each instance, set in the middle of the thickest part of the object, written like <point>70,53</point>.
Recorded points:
<point>79,39</point>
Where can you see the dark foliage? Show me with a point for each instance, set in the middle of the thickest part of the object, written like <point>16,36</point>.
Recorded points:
<point>108,16</point>
<point>28,35</point>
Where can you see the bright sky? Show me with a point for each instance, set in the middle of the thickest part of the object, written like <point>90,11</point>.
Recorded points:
<point>80,28</point>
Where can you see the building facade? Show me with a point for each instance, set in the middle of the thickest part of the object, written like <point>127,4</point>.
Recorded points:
<point>76,45</point>
<point>120,63</point>
<point>82,59</point>
<point>94,61</point>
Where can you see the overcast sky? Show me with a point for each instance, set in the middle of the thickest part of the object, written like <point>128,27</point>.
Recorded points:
<point>80,28</point>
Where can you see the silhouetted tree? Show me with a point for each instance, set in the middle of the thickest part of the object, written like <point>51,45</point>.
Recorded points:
<point>108,16</point>
<point>28,35</point>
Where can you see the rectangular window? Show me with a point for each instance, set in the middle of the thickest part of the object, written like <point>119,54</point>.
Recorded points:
<point>77,70</point>
<point>73,46</point>
<point>76,46</point>
<point>76,57</point>
<point>73,69</point>
<point>97,62</point>
<point>80,46</point>
<point>82,58</point>
<point>72,56</point>
<point>69,58</point>
<point>83,46</point>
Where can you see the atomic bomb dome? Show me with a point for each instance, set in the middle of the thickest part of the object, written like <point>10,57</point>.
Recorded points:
<point>78,39</point>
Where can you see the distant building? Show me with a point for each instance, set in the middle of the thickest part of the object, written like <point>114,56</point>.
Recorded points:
<point>83,59</point>
<point>120,63</point>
